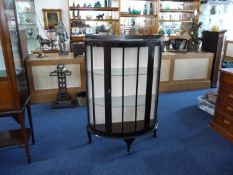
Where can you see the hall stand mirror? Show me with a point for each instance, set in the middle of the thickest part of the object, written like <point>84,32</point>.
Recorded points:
<point>122,83</point>
<point>14,94</point>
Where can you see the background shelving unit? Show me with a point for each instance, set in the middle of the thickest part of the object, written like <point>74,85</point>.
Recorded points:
<point>83,20</point>
<point>140,23</point>
<point>176,16</point>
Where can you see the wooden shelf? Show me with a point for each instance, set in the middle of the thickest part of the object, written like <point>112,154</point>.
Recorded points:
<point>179,36</point>
<point>77,38</point>
<point>177,10</point>
<point>129,127</point>
<point>138,15</point>
<point>184,21</point>
<point>97,20</point>
<point>95,8</point>
<point>13,137</point>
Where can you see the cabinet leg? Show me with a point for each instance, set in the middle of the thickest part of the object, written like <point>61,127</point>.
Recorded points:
<point>24,136</point>
<point>30,122</point>
<point>129,142</point>
<point>89,136</point>
<point>155,133</point>
<point>155,130</point>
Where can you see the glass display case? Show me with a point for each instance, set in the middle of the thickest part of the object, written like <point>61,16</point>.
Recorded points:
<point>122,84</point>
<point>14,94</point>
<point>26,17</point>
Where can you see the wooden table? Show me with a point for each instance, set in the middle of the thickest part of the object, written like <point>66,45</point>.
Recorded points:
<point>43,87</point>
<point>185,71</point>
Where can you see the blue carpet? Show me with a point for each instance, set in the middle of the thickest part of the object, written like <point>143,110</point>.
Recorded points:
<point>185,144</point>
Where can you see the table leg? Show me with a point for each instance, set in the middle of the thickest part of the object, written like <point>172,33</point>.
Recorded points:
<point>30,122</point>
<point>24,136</point>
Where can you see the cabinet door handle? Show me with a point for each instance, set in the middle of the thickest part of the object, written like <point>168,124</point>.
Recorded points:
<point>229,108</point>
<point>226,122</point>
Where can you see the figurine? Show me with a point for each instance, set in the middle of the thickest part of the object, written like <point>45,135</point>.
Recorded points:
<point>85,5</point>
<point>194,42</point>
<point>89,6</point>
<point>129,10</point>
<point>62,38</point>
<point>78,5</point>
<point>97,4</point>
<point>30,32</point>
<point>105,3</point>
<point>43,42</point>
<point>73,4</point>
<point>109,3</point>
<point>100,16</point>
<point>145,10</point>
<point>151,11</point>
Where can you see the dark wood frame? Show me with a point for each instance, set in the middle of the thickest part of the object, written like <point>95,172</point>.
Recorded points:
<point>124,42</point>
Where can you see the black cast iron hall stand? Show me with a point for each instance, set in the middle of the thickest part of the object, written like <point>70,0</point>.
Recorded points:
<point>63,98</point>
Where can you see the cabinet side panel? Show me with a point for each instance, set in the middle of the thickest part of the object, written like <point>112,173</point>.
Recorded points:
<point>6,98</point>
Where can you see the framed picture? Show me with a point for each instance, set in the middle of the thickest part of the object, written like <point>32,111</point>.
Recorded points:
<point>51,18</point>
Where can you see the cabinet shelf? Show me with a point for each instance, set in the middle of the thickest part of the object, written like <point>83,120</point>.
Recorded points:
<point>118,72</point>
<point>183,21</point>
<point>33,13</point>
<point>95,8</point>
<point>177,10</point>
<point>179,36</point>
<point>129,101</point>
<point>12,137</point>
<point>97,20</point>
<point>138,15</point>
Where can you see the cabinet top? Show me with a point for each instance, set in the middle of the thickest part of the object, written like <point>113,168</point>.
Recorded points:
<point>126,40</point>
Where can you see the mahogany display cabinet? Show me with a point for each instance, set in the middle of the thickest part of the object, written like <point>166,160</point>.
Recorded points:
<point>122,83</point>
<point>14,94</point>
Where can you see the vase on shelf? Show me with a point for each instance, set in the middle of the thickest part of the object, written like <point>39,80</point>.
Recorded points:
<point>109,3</point>
<point>105,3</point>
<point>145,10</point>
<point>151,11</point>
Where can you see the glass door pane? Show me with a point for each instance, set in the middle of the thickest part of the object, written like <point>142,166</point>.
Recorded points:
<point>26,16</point>
<point>2,63</point>
<point>11,20</point>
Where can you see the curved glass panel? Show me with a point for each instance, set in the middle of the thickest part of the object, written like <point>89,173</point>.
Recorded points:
<point>2,63</point>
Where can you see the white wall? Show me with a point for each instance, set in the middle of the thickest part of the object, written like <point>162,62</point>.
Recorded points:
<point>51,4</point>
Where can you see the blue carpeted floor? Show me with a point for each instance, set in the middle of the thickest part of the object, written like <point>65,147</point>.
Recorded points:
<point>185,145</point>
